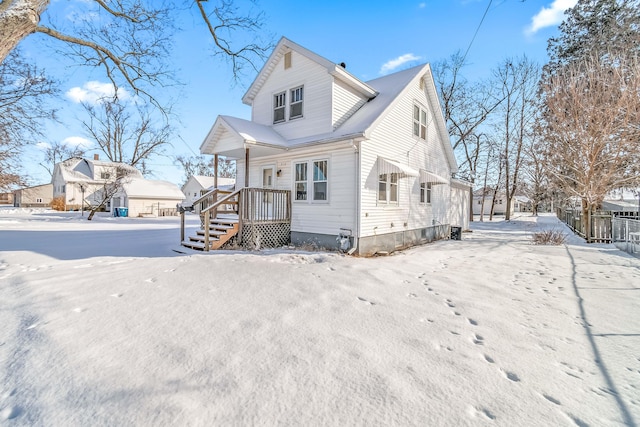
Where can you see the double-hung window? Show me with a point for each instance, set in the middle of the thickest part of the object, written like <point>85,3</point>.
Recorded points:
<point>388,188</point>
<point>419,122</point>
<point>279,102</point>
<point>425,192</point>
<point>313,186</point>
<point>295,107</point>
<point>301,181</point>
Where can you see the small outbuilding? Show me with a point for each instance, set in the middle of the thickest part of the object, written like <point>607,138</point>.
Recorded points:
<point>197,185</point>
<point>39,196</point>
<point>145,197</point>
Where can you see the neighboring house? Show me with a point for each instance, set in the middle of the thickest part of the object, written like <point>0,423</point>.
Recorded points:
<point>6,199</point>
<point>370,160</point>
<point>76,179</point>
<point>522,204</point>
<point>145,197</point>
<point>197,185</point>
<point>483,198</point>
<point>37,196</point>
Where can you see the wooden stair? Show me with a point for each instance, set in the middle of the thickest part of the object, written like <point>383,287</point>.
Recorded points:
<point>221,230</point>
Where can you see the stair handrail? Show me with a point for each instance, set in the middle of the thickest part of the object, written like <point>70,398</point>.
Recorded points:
<point>207,215</point>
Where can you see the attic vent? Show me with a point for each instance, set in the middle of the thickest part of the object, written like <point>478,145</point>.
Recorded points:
<point>287,60</point>
<point>421,84</point>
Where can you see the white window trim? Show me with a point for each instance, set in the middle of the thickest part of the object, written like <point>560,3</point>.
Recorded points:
<point>426,193</point>
<point>422,113</point>
<point>388,183</point>
<point>310,182</point>
<point>277,107</point>
<point>292,102</point>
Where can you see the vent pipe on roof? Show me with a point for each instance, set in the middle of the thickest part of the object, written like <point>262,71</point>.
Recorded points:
<point>96,157</point>
<point>343,65</point>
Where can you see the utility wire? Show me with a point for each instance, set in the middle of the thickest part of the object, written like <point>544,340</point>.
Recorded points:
<point>477,29</point>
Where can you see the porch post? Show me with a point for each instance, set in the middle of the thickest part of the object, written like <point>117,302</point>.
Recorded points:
<point>246,167</point>
<point>215,170</point>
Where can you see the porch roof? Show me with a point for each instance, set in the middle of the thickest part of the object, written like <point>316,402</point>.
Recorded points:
<point>229,136</point>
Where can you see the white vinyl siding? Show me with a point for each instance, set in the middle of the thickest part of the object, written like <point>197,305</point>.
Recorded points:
<point>317,116</point>
<point>322,217</point>
<point>345,103</point>
<point>394,139</point>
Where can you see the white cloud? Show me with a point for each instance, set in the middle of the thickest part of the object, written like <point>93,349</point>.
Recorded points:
<point>398,62</point>
<point>92,92</point>
<point>422,5</point>
<point>77,141</point>
<point>550,16</point>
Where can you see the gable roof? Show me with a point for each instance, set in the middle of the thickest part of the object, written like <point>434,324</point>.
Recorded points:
<point>77,169</point>
<point>384,93</point>
<point>285,45</point>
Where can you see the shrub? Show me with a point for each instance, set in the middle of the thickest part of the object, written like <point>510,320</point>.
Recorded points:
<point>549,237</point>
<point>58,203</point>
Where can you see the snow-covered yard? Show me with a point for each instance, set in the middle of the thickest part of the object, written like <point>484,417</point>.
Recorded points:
<point>103,323</point>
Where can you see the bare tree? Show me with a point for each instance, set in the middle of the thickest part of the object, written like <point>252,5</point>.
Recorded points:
<point>124,131</point>
<point>131,37</point>
<point>198,165</point>
<point>518,82</point>
<point>536,181</point>
<point>59,151</point>
<point>119,175</point>
<point>591,116</point>
<point>23,93</point>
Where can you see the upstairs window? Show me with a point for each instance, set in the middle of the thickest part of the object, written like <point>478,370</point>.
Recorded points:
<point>105,175</point>
<point>419,122</point>
<point>279,102</point>
<point>295,109</point>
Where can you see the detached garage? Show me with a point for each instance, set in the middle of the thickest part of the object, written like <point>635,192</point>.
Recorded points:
<point>144,197</point>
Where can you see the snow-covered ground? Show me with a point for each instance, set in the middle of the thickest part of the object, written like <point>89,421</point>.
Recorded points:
<point>104,323</point>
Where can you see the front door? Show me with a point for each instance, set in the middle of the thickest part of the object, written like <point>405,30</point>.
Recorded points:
<point>268,182</point>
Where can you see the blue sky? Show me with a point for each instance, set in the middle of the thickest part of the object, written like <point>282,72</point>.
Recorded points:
<point>372,37</point>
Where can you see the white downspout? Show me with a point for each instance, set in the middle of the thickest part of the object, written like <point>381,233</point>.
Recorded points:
<point>357,197</point>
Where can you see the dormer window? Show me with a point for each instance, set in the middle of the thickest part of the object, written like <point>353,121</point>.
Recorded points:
<point>295,109</point>
<point>279,102</point>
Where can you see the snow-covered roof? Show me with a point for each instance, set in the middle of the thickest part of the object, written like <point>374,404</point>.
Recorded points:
<point>77,169</point>
<point>152,189</point>
<point>285,45</point>
<point>209,181</point>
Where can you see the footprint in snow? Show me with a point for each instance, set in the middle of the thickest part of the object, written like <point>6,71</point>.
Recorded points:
<point>412,295</point>
<point>450,304</point>
<point>477,339</point>
<point>472,322</point>
<point>10,413</point>
<point>150,280</point>
<point>511,376</point>
<point>171,270</point>
<point>551,399</point>
<point>79,309</point>
<point>366,302</point>
<point>116,295</point>
<point>489,359</point>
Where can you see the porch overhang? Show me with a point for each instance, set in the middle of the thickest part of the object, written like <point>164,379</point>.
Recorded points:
<point>230,137</point>
<point>431,178</point>
<point>391,166</point>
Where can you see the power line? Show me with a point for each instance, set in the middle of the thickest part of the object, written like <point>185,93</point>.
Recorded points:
<point>477,29</point>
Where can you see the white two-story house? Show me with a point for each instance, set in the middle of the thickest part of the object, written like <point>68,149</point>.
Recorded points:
<point>369,161</point>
